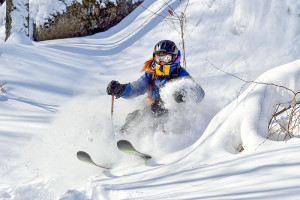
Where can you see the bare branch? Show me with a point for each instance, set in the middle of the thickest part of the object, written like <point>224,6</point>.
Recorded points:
<point>171,9</point>
<point>262,83</point>
<point>156,13</point>
<point>283,110</point>
<point>181,18</point>
<point>186,6</point>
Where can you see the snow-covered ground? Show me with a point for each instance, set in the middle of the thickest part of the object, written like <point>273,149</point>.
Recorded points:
<point>56,104</point>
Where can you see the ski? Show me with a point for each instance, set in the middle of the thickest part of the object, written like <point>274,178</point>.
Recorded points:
<point>126,147</point>
<point>85,157</point>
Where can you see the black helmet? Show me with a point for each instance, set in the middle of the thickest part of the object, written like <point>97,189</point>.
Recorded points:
<point>166,47</point>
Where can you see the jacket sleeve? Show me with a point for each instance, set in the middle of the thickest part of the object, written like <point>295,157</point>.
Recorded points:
<point>138,87</point>
<point>184,73</point>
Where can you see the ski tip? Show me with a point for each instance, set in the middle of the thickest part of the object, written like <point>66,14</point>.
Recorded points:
<point>122,142</point>
<point>85,157</point>
<point>126,147</point>
<point>82,153</point>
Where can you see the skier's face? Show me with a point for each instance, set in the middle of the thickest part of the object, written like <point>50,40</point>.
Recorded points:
<point>163,59</point>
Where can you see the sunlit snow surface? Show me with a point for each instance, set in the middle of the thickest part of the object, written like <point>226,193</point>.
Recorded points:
<point>56,104</point>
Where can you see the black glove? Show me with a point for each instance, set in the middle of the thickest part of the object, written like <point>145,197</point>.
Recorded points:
<point>158,107</point>
<point>115,88</point>
<point>179,96</point>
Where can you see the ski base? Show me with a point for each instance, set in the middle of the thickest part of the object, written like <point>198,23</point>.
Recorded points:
<point>126,147</point>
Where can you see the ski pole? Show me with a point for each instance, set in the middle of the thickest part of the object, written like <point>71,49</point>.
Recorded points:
<point>112,106</point>
<point>112,113</point>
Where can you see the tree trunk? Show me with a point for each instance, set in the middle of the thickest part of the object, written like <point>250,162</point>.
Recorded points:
<point>8,24</point>
<point>18,21</point>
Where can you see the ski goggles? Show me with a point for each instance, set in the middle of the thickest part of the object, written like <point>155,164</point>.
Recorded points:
<point>166,58</point>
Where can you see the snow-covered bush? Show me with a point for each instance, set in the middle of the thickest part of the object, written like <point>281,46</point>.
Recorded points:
<point>75,18</point>
<point>53,19</point>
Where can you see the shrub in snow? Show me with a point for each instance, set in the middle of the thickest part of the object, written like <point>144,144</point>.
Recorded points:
<point>2,87</point>
<point>78,18</point>
<point>285,123</point>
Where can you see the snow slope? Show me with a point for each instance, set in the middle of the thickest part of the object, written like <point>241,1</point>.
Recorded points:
<point>55,104</point>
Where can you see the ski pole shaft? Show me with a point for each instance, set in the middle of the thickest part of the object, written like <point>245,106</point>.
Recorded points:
<point>112,106</point>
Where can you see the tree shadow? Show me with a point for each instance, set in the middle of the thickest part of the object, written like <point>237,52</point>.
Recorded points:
<point>48,107</point>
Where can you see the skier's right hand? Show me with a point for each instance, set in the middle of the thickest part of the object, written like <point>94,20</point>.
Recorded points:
<point>115,88</point>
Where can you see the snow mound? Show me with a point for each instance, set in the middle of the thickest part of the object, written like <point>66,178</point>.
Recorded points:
<point>243,124</point>
<point>18,38</point>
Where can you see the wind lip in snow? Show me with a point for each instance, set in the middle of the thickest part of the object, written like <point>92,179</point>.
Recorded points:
<point>18,38</point>
<point>244,122</point>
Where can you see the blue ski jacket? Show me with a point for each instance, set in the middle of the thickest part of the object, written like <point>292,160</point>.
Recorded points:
<point>151,84</point>
<point>148,83</point>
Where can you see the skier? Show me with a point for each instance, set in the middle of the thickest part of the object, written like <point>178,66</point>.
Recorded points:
<point>164,66</point>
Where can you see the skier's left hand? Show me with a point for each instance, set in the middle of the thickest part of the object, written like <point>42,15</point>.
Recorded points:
<point>179,96</point>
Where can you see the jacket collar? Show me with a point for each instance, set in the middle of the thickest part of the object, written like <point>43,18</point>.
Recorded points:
<point>164,70</point>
